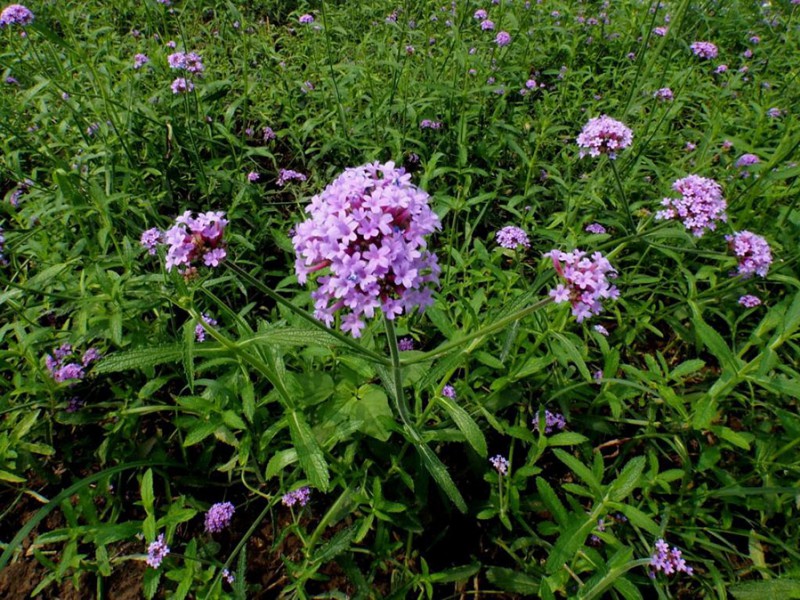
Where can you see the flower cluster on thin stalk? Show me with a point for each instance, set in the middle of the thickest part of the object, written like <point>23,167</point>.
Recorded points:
<point>157,552</point>
<point>15,14</point>
<point>604,135</point>
<point>512,237</point>
<point>190,62</point>
<point>752,251</point>
<point>749,301</point>
<point>287,175</point>
<point>219,516</point>
<point>200,328</point>
<point>65,365</point>
<point>367,229</point>
<point>500,464</point>
<point>586,280</point>
<point>668,561</point>
<point>700,207</point>
<point>191,241</point>
<point>705,50</point>
<point>552,421</point>
<point>299,496</point>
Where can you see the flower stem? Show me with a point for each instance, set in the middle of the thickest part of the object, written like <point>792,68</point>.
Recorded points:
<point>623,196</point>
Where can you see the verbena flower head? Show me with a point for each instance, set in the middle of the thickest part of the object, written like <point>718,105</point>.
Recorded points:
<point>368,230</point>
<point>753,252</point>
<point>200,330</point>
<point>65,365</point>
<point>140,60</point>
<point>299,496</point>
<point>503,39</point>
<point>253,176</point>
<point>449,391</point>
<point>604,135</point>
<point>181,86</point>
<point>189,61</point>
<point>157,551</point>
<point>428,124</point>
<point>587,281</point>
<point>664,94</point>
<point>219,516</point>
<point>306,19</point>
<point>405,344</point>
<point>500,464</point>
<point>150,239</point>
<point>700,207</point>
<point>287,175</point>
<point>750,301</point>
<point>194,240</point>
<point>595,228</point>
<point>745,160</point>
<point>551,421</point>
<point>512,237</point>
<point>15,14</point>
<point>668,561</point>
<point>487,25</point>
<point>705,50</point>
<point>775,112</point>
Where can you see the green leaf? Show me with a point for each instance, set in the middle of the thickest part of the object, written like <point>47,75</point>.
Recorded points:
<point>141,358</point>
<point>511,580</point>
<point>686,368</point>
<point>371,408</point>
<point>552,502</point>
<point>771,588</point>
<point>466,424</point>
<point>568,543</point>
<point>279,461</point>
<point>199,432</point>
<point>146,490</point>
<point>439,473</point>
<point>580,470</point>
<point>566,438</point>
<point>309,452</point>
<point>628,479</point>
<point>335,546</point>
<point>714,341</point>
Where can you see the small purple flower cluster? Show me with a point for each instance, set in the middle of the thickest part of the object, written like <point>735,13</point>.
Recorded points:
<point>512,237</point>
<point>664,94</point>
<point>586,281</point>
<point>500,464</point>
<point>190,240</point>
<point>753,252</point>
<point>449,391</point>
<point>428,124</point>
<point>306,19</point>
<point>139,60</point>
<point>487,25</point>
<point>299,496</point>
<point>503,39</point>
<point>705,50</point>
<point>700,207</point>
<point>63,365</point>
<point>187,61</point>
<point>745,160</point>
<point>15,14</point>
<point>368,227</point>
<point>287,175</point>
<point>775,113</point>
<point>604,135</point>
<point>157,551</point>
<point>749,301</point>
<point>405,344</point>
<point>22,189</point>
<point>551,421</point>
<point>200,330</point>
<point>595,228</point>
<point>219,516</point>
<point>181,85</point>
<point>668,561</point>
<point>253,176</point>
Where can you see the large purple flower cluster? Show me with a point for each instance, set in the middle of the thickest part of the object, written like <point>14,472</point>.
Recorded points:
<point>753,252</point>
<point>192,240</point>
<point>512,237</point>
<point>700,206</point>
<point>668,561</point>
<point>604,135</point>
<point>219,516</point>
<point>586,281</point>
<point>368,229</point>
<point>63,364</point>
<point>15,14</point>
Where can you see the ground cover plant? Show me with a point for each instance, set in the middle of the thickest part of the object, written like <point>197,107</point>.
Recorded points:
<point>384,300</point>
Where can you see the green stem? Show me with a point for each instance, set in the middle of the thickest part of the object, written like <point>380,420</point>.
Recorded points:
<point>496,326</point>
<point>622,195</point>
<point>397,382</point>
<point>308,316</point>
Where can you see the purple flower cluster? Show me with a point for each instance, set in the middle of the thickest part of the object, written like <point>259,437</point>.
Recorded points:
<point>749,301</point>
<point>705,50</point>
<point>700,207</point>
<point>405,344</point>
<point>775,113</point>
<point>219,516</point>
<point>745,160</point>
<point>551,421</point>
<point>503,39</point>
<point>753,252</point>
<point>595,228</point>
<point>449,391</point>
<point>512,237</point>
<point>306,19</point>
<point>480,15</point>
<point>200,330</point>
<point>15,14</point>
<point>604,135</point>
<point>253,176</point>
<point>586,281</point>
<point>191,240</point>
<point>140,60</point>
<point>188,61</point>
<point>63,364</point>
<point>157,551</point>
<point>500,464</point>
<point>299,496</point>
<point>287,175</point>
<point>664,94</point>
<point>428,124</point>
<point>668,561</point>
<point>368,228</point>
<point>181,85</point>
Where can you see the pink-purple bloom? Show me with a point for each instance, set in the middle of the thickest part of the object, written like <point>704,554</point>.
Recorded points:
<point>150,239</point>
<point>705,50</point>
<point>190,61</point>
<point>500,464</point>
<point>15,14</point>
<point>595,228</point>
<point>194,240</point>
<point>299,496</point>
<point>503,39</point>
<point>219,516</point>
<point>745,160</point>
<point>253,176</point>
<point>480,15</point>
<point>287,175</point>
<point>64,364</point>
<point>587,282</point>
<point>487,25</point>
<point>405,344</point>
<point>512,237</point>
<point>753,252</point>
<point>449,391</point>
<point>200,328</point>
<point>700,207</point>
<point>604,135</point>
<point>157,551</point>
<point>140,60</point>
<point>306,19</point>
<point>664,94</point>
<point>428,124</point>
<point>181,86</point>
<point>668,561</point>
<point>551,421</point>
<point>367,230</point>
<point>749,301</point>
